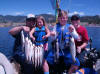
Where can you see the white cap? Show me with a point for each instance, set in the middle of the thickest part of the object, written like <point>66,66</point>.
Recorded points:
<point>30,16</point>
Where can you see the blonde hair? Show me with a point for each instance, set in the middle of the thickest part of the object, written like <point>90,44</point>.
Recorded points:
<point>42,18</point>
<point>62,13</point>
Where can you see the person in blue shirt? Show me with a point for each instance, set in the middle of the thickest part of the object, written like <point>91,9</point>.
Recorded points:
<point>40,33</point>
<point>61,32</point>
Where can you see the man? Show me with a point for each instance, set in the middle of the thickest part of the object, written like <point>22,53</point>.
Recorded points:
<point>19,55</point>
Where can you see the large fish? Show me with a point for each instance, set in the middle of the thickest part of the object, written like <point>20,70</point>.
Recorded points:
<point>5,66</point>
<point>74,33</point>
<point>73,49</point>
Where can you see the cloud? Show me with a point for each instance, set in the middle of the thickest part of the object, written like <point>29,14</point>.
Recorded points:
<point>49,13</point>
<point>75,12</point>
<point>19,13</point>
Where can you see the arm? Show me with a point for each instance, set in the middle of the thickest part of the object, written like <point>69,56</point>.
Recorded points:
<point>31,33</point>
<point>79,48</point>
<point>83,45</point>
<point>16,30</point>
<point>47,33</point>
<point>85,41</point>
<point>53,32</point>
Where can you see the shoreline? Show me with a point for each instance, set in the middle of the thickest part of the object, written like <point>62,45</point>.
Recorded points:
<point>20,25</point>
<point>92,26</point>
<point>49,24</point>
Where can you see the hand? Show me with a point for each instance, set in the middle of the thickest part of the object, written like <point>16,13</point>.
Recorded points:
<point>44,37</point>
<point>79,49</point>
<point>71,28</point>
<point>33,38</point>
<point>53,33</point>
<point>25,28</point>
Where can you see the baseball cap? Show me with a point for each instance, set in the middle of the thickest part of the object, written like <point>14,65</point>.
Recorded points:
<point>30,16</point>
<point>75,17</point>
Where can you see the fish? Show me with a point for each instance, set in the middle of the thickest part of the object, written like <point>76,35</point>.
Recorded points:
<point>30,51</point>
<point>74,33</point>
<point>33,61</point>
<point>5,65</point>
<point>27,46</point>
<point>35,56</point>
<point>73,49</point>
<point>41,53</point>
<point>56,50</point>
<point>38,55</point>
<point>22,40</point>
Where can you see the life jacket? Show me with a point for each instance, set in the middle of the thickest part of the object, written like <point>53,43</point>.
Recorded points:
<point>38,34</point>
<point>62,34</point>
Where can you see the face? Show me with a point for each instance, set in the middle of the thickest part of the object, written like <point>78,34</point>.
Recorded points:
<point>63,20</point>
<point>30,23</point>
<point>75,23</point>
<point>39,23</point>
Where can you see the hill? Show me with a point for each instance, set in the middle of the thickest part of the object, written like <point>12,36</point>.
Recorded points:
<point>49,19</point>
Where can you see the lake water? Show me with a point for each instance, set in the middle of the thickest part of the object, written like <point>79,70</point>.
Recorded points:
<point>7,41</point>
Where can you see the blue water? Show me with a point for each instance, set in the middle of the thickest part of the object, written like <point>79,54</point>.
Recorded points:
<point>7,41</point>
<point>94,33</point>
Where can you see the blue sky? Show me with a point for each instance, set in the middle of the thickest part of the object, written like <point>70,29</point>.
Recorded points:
<point>24,7</point>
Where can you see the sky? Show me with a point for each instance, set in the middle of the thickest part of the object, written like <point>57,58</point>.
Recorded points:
<point>25,7</point>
